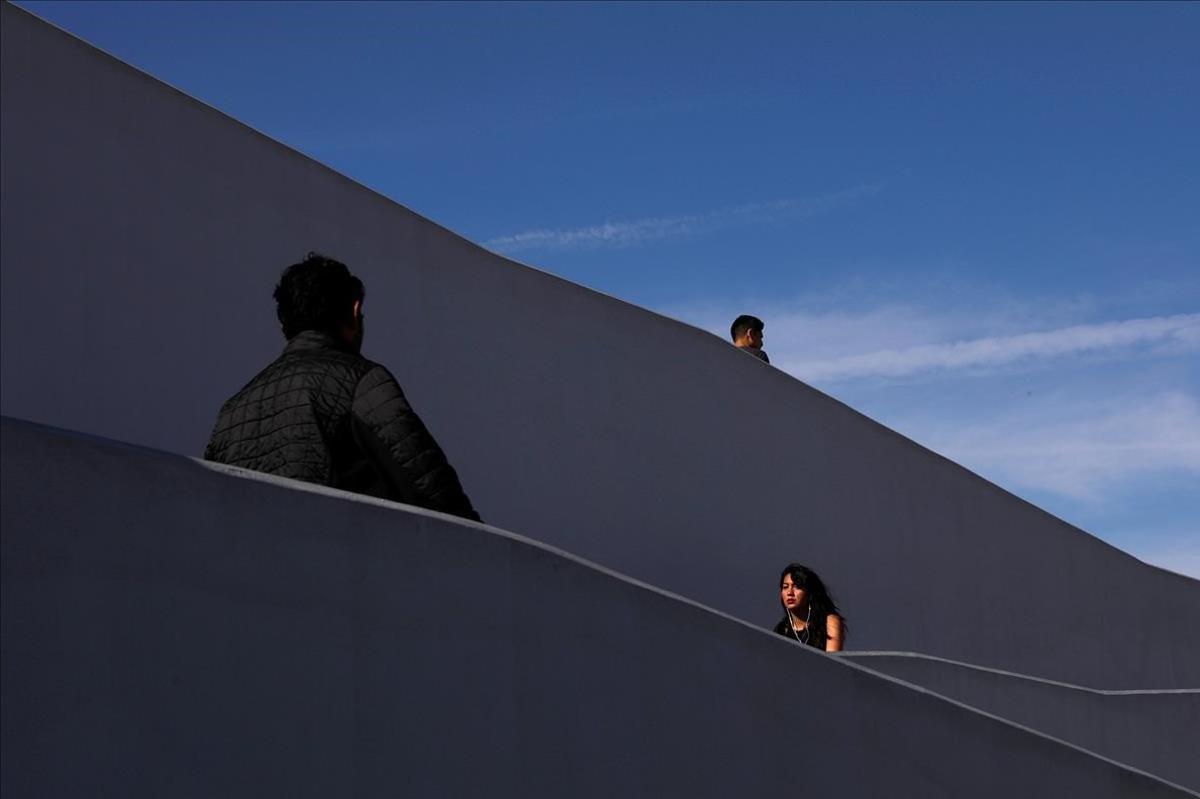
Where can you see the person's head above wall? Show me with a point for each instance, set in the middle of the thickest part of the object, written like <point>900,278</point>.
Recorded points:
<point>807,581</point>
<point>811,615</point>
<point>320,294</point>
<point>747,331</point>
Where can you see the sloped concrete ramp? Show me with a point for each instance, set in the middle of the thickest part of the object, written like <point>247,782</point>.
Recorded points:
<point>1156,731</point>
<point>170,629</point>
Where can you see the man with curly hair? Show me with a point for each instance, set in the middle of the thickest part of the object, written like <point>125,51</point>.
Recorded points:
<point>323,413</point>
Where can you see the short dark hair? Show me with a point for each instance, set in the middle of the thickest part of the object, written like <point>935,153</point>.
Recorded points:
<point>316,294</point>
<point>743,324</point>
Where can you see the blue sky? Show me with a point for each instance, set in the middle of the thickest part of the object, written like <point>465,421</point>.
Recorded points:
<point>976,223</point>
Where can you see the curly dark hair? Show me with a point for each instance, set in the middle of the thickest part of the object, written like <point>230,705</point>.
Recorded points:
<point>820,601</point>
<point>316,294</point>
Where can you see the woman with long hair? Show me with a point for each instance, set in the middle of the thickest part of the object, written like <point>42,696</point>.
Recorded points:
<point>810,615</point>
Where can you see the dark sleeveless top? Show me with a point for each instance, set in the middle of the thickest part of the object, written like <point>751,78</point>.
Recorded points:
<point>816,635</point>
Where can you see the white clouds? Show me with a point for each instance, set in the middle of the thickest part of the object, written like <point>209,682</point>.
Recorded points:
<point>1086,460</point>
<point>1096,420</point>
<point>1091,427</point>
<point>899,341</point>
<point>1080,449</point>
<point>1181,332</point>
<point>641,231</point>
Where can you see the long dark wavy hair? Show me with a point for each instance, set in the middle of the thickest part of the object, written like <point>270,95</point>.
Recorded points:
<point>820,603</point>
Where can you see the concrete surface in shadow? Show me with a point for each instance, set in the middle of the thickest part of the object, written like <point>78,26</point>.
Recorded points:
<point>172,630</point>
<point>1152,730</point>
<point>143,233</point>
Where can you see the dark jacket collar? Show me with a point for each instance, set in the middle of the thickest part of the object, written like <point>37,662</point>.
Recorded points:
<point>315,340</point>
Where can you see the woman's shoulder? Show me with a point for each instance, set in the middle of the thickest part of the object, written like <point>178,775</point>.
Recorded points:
<point>782,628</point>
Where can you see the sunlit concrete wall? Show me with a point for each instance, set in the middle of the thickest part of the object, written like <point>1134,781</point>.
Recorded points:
<point>171,630</point>
<point>143,233</point>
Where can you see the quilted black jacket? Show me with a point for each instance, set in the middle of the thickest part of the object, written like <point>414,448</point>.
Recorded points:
<point>328,416</point>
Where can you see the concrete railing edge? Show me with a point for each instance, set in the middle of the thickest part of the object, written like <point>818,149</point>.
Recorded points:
<point>868,654</point>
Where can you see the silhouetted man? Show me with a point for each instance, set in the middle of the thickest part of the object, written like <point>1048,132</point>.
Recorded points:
<point>747,334</point>
<point>324,414</point>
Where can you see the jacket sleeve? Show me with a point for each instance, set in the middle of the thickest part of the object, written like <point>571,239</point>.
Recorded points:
<point>395,437</point>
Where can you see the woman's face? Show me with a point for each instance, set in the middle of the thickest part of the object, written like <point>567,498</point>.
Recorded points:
<point>794,597</point>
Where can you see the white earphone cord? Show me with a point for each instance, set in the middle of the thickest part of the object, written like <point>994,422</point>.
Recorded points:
<point>792,623</point>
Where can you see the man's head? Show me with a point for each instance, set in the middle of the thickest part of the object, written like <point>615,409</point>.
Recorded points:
<point>320,294</point>
<point>747,331</point>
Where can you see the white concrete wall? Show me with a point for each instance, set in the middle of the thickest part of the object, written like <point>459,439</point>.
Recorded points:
<point>143,233</point>
<point>171,630</point>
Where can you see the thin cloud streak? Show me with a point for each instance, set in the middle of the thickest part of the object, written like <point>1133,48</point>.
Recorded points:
<point>1180,332</point>
<point>1080,454</point>
<point>642,231</point>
